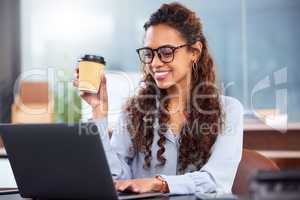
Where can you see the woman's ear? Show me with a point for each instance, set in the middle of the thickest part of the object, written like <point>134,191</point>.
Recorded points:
<point>197,46</point>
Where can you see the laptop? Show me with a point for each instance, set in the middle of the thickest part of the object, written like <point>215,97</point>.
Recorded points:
<point>60,161</point>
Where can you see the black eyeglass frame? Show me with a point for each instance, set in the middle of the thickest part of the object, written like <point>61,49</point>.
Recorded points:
<point>158,54</point>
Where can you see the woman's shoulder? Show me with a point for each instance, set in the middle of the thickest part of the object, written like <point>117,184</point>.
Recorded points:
<point>231,104</point>
<point>233,117</point>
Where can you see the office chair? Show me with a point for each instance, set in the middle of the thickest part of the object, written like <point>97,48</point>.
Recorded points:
<point>250,164</point>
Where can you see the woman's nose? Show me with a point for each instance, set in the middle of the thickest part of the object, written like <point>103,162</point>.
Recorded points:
<point>156,60</point>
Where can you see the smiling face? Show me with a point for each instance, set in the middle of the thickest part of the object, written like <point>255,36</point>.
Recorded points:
<point>175,73</point>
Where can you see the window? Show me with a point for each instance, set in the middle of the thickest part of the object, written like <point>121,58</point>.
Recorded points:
<point>255,43</point>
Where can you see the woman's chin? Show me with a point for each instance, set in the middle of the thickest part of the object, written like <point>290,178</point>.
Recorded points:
<point>164,84</point>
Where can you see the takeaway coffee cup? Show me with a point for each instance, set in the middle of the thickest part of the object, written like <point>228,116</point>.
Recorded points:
<point>90,69</point>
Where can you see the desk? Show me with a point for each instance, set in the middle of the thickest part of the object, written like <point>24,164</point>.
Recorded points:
<point>10,197</point>
<point>185,197</point>
<point>182,197</point>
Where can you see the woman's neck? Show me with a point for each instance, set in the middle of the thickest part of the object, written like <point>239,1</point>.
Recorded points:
<point>178,97</point>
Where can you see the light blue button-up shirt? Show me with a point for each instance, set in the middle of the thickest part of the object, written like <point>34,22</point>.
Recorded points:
<point>216,176</point>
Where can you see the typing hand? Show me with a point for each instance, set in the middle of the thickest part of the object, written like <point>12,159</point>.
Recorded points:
<point>138,185</point>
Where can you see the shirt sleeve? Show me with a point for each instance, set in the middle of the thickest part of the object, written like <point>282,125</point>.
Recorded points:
<point>218,174</point>
<point>118,149</point>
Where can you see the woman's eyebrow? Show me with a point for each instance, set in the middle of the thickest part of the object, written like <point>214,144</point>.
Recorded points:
<point>164,45</point>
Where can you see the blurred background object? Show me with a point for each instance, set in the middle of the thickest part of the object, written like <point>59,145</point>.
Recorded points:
<point>10,58</point>
<point>275,185</point>
<point>67,102</point>
<point>33,104</point>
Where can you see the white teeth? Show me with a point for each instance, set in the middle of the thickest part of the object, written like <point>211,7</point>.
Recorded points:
<point>161,73</point>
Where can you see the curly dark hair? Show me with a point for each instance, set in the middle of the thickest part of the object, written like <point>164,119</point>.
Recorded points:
<point>148,110</point>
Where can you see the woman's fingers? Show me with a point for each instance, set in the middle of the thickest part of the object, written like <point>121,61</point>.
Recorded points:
<point>81,93</point>
<point>75,83</point>
<point>103,89</point>
<point>76,73</point>
<point>122,185</point>
<point>134,187</point>
<point>128,186</point>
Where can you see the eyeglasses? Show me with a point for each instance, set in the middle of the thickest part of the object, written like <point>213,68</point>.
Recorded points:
<point>165,53</point>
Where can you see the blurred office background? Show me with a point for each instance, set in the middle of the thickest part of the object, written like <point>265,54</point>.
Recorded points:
<point>255,45</point>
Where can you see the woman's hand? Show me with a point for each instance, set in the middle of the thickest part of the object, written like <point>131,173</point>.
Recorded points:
<point>138,185</point>
<point>99,101</point>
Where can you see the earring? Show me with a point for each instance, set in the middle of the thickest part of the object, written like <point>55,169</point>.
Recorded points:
<point>195,71</point>
<point>194,65</point>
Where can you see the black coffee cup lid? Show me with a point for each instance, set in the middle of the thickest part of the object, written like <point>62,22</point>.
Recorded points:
<point>93,58</point>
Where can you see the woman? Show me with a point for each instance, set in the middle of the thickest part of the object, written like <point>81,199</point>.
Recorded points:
<point>177,134</point>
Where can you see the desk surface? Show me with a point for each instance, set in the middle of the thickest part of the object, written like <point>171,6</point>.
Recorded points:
<point>182,197</point>
<point>185,197</point>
